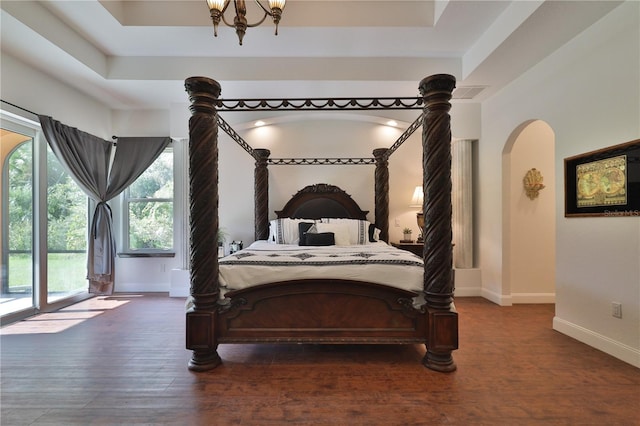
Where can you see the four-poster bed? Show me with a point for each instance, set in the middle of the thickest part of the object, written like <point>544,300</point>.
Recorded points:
<point>322,309</point>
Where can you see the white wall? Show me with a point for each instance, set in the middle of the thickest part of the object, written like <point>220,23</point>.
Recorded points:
<point>35,91</point>
<point>588,92</point>
<point>133,123</point>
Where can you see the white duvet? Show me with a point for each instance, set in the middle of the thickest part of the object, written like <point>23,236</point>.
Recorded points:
<point>264,262</point>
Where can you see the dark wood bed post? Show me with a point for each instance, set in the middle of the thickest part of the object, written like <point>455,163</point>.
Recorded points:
<point>261,194</point>
<point>438,252</point>
<point>203,199</point>
<point>382,192</point>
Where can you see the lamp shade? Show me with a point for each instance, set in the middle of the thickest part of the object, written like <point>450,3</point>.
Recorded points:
<point>277,4</point>
<point>418,197</point>
<point>216,5</point>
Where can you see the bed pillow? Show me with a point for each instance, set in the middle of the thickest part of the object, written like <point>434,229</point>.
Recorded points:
<point>358,229</point>
<point>303,229</point>
<point>374,233</point>
<point>320,239</point>
<point>340,231</point>
<point>285,230</point>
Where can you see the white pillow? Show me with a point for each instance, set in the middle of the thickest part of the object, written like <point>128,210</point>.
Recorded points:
<point>285,230</point>
<point>358,229</point>
<point>376,234</point>
<point>340,232</point>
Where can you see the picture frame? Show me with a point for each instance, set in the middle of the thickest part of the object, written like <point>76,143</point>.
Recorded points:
<point>605,182</point>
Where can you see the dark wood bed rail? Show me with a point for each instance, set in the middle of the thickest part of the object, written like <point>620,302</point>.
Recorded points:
<point>438,286</point>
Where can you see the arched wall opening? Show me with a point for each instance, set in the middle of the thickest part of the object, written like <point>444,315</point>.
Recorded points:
<point>528,226</point>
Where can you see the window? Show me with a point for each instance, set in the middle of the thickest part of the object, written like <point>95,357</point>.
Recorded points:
<point>148,209</point>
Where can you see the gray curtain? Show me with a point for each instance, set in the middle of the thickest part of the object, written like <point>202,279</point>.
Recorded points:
<point>87,159</point>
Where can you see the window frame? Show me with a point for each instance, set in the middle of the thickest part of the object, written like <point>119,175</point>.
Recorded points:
<point>127,251</point>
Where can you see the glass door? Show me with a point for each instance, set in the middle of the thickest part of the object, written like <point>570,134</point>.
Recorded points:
<point>17,231</point>
<point>67,216</point>
<point>44,225</point>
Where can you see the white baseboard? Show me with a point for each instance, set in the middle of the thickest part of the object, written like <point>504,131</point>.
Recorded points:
<point>496,298</point>
<point>609,346</point>
<point>468,282</point>
<point>517,298</point>
<point>468,292</point>
<point>533,298</point>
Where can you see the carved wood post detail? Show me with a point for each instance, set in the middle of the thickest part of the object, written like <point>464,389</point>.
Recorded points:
<point>438,254</point>
<point>382,192</point>
<point>203,204</point>
<point>261,194</point>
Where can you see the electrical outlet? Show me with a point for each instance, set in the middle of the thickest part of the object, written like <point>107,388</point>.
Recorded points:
<point>616,309</point>
<point>397,223</point>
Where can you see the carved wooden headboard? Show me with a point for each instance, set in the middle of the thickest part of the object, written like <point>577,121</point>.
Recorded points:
<point>322,200</point>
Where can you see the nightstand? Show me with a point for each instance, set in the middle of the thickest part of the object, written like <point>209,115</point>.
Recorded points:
<point>415,248</point>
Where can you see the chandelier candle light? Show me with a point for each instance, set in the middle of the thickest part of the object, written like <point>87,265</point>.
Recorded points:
<point>219,7</point>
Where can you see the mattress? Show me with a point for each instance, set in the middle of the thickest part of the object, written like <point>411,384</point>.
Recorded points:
<point>265,262</point>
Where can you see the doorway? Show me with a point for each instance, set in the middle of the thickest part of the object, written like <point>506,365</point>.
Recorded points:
<point>529,220</point>
<point>17,204</point>
<point>44,225</point>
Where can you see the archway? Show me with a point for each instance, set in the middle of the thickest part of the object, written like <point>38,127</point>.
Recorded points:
<point>528,226</point>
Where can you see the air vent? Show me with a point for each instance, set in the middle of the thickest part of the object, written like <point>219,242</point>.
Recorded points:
<point>467,92</point>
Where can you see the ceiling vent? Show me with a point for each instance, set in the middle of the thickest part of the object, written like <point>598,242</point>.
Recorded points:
<point>467,92</point>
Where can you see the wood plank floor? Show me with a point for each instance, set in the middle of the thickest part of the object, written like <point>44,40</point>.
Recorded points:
<point>121,360</point>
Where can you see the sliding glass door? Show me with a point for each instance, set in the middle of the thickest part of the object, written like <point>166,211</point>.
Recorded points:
<point>67,215</point>
<point>44,225</point>
<point>18,283</point>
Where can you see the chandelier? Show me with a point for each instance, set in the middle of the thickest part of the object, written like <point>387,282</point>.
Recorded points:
<point>219,7</point>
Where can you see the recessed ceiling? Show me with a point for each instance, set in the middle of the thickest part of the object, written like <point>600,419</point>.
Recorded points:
<point>136,54</point>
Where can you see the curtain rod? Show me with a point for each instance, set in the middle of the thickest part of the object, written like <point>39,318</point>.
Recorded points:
<point>114,137</point>
<point>31,112</point>
<point>19,107</point>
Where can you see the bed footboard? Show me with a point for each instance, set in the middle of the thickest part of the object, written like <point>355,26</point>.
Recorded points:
<point>321,311</point>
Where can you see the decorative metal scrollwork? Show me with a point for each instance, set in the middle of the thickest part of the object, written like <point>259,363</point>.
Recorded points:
<point>344,104</point>
<point>320,161</point>
<point>239,105</point>
<point>404,136</point>
<point>235,136</point>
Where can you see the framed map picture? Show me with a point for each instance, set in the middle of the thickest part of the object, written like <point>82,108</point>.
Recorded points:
<point>604,182</point>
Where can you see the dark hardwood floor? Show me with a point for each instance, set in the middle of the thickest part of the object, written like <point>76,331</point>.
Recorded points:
<point>121,360</point>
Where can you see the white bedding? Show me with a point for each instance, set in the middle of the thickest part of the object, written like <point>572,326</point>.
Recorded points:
<point>264,262</point>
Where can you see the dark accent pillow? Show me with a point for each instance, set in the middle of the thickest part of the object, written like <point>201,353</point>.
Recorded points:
<point>372,230</point>
<point>303,227</point>
<point>321,239</point>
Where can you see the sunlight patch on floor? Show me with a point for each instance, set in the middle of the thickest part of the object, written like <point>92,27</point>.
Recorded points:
<point>56,322</point>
